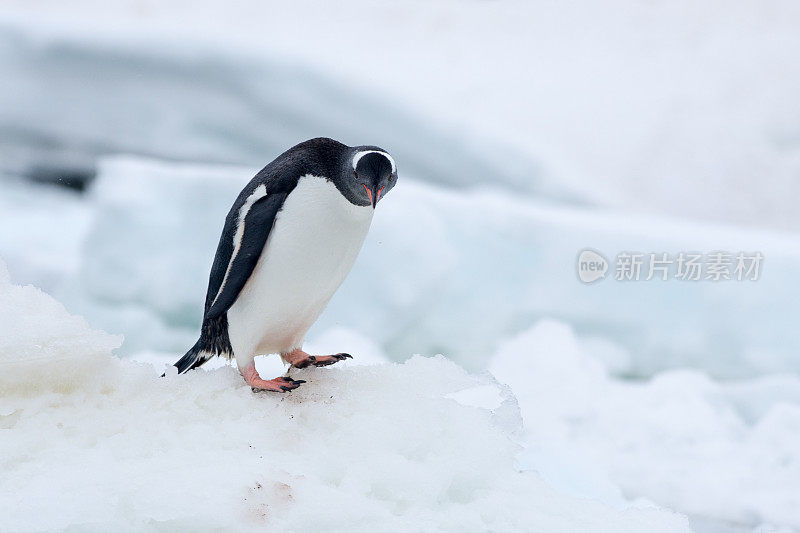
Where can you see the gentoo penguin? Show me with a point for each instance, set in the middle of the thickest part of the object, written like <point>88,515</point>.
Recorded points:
<point>289,241</point>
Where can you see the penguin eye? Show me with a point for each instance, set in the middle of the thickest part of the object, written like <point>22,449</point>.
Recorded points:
<point>355,173</point>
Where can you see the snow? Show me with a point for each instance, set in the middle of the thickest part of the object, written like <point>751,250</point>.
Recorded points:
<point>727,451</point>
<point>43,347</point>
<point>717,451</point>
<point>93,441</point>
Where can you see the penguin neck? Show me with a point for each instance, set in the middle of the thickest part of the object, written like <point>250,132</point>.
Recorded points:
<point>321,195</point>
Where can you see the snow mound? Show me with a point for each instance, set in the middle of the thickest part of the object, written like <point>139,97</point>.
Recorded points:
<point>360,448</point>
<point>42,347</point>
<point>724,451</point>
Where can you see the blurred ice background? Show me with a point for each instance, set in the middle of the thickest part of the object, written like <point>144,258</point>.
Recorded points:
<point>524,132</point>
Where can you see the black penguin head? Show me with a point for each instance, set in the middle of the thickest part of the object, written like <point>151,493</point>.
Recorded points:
<point>369,174</point>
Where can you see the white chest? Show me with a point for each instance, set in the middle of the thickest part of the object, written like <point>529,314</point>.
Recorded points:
<point>312,247</point>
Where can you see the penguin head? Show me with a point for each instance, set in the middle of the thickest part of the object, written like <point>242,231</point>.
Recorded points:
<point>370,175</point>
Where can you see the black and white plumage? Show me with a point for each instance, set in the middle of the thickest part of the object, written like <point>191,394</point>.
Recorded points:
<point>289,241</point>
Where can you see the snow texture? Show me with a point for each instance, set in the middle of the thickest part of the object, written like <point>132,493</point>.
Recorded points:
<point>93,442</point>
<point>43,347</point>
<point>726,451</point>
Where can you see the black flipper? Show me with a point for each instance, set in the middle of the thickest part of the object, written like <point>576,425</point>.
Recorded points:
<point>257,226</point>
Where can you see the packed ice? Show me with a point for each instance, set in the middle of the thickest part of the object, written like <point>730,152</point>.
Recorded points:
<point>92,441</point>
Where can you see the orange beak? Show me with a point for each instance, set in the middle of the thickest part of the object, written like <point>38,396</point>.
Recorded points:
<point>373,197</point>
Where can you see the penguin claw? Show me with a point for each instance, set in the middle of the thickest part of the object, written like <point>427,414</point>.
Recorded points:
<point>305,360</point>
<point>326,360</point>
<point>331,359</point>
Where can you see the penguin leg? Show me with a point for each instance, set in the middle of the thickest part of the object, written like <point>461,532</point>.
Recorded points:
<point>281,384</point>
<point>300,359</point>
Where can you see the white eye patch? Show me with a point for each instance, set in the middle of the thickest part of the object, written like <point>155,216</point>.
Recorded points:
<point>359,155</point>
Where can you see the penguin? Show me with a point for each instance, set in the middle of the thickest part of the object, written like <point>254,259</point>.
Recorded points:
<point>289,241</point>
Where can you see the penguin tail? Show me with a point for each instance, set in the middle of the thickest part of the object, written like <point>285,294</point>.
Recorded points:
<point>195,357</point>
<point>213,341</point>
